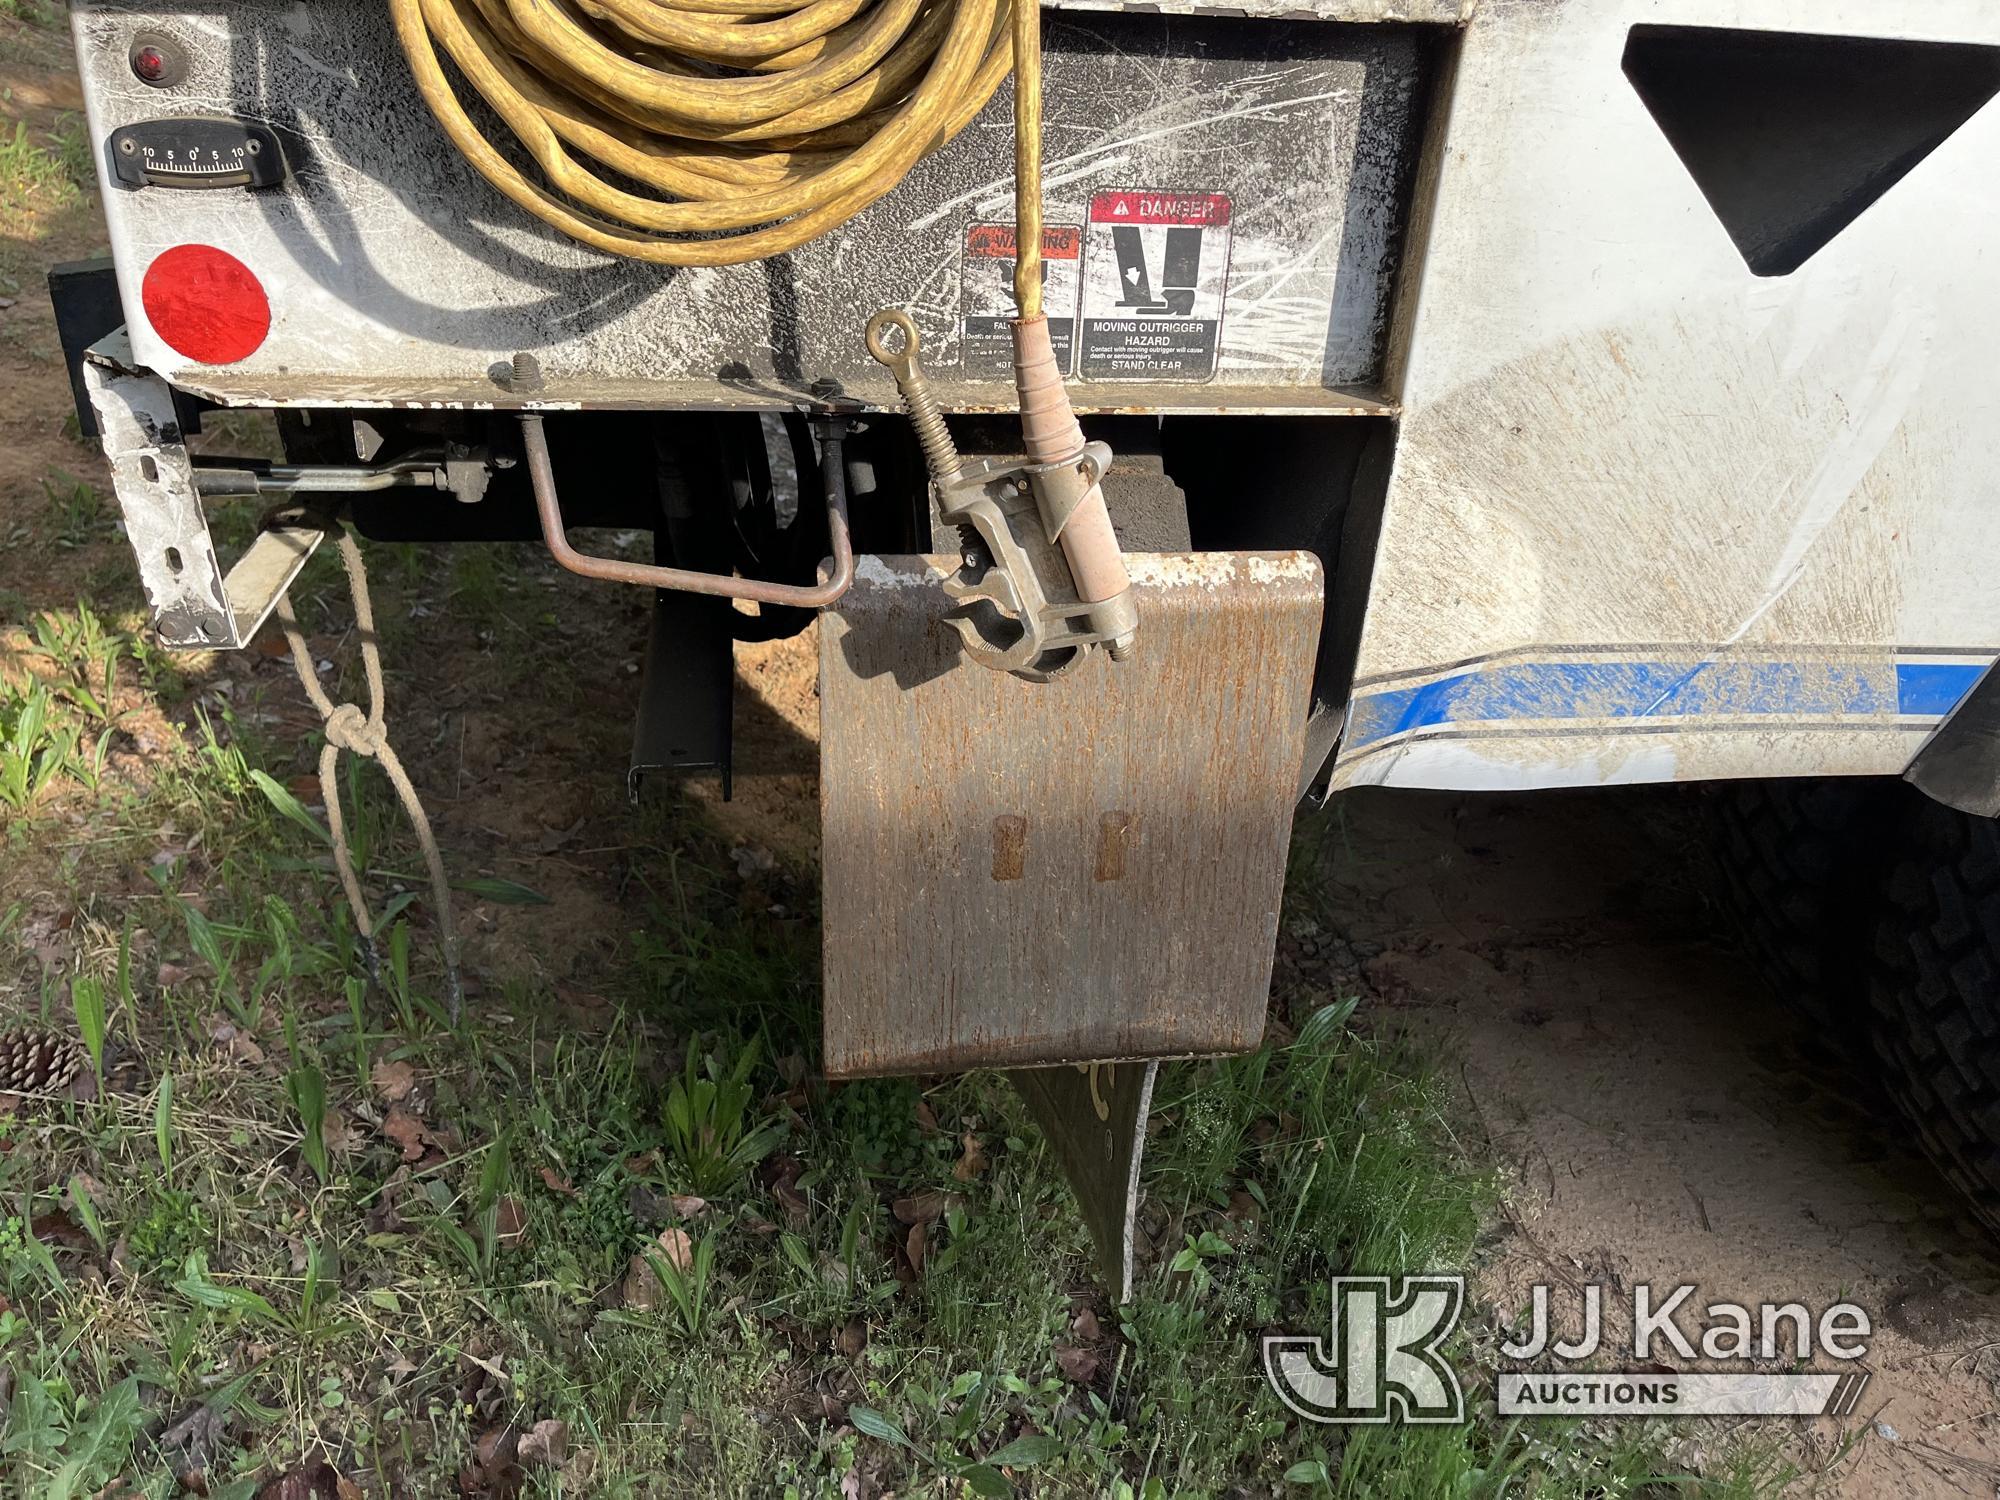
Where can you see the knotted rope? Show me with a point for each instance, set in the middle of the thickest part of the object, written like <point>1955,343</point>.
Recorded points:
<point>367,735</point>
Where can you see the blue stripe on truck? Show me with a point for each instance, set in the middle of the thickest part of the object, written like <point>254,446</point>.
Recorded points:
<point>1499,692</point>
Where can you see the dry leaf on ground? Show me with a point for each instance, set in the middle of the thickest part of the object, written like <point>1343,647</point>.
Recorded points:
<point>1078,1365</point>
<point>926,1207</point>
<point>677,1249</point>
<point>641,1288</point>
<point>407,1131</point>
<point>972,1161</point>
<point>544,1445</point>
<point>394,1080</point>
<point>557,1183</point>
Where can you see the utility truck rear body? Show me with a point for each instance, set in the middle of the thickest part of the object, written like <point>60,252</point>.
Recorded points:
<point>1493,394</point>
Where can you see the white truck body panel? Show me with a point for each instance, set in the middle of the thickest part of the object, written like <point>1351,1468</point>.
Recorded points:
<point>1653,516</point>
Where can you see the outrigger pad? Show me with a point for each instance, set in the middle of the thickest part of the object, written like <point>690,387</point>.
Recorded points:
<point>1021,873</point>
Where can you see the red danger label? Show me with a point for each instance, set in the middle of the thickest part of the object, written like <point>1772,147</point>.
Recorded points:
<point>998,241</point>
<point>1140,207</point>
<point>1155,278</point>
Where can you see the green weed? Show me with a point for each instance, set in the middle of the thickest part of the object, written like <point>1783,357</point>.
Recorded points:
<point>33,12</point>
<point>307,1088</point>
<point>86,997</point>
<point>71,1456</point>
<point>688,1288</point>
<point>478,1249</point>
<point>85,653</point>
<point>172,1226</point>
<point>710,1131</point>
<point>879,1116</point>
<point>31,171</point>
<point>84,1209</point>
<point>163,1126</point>
<point>34,750</point>
<point>78,515</point>
<point>70,142</point>
<point>307,1321</point>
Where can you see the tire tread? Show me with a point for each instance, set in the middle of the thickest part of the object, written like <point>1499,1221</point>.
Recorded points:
<point>1934,998</point>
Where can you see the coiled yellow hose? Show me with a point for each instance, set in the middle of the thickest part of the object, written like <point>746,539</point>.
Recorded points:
<point>761,123</point>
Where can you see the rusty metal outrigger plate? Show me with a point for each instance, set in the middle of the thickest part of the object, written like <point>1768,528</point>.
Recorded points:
<point>1020,874</point>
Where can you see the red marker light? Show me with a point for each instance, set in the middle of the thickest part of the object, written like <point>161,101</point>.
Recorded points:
<point>150,64</point>
<point>206,304</point>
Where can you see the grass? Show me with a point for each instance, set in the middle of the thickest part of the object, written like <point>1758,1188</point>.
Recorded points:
<point>77,511</point>
<point>329,1227</point>
<point>32,12</point>
<point>44,169</point>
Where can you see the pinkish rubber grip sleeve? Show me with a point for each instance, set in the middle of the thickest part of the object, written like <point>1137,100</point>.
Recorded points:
<point>1050,434</point>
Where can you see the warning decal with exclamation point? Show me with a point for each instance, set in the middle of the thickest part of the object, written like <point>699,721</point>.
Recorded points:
<point>1156,266</point>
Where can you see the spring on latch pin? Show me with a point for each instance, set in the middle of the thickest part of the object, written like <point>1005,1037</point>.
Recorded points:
<point>940,453</point>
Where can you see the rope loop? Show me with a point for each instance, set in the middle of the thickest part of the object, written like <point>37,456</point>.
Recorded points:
<point>347,728</point>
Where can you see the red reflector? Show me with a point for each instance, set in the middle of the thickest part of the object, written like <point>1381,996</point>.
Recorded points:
<point>206,304</point>
<point>150,63</point>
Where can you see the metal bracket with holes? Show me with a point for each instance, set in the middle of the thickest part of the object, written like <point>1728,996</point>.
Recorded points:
<point>195,605</point>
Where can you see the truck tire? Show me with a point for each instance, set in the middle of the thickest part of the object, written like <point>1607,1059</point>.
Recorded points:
<point>1935,994</point>
<point>1800,863</point>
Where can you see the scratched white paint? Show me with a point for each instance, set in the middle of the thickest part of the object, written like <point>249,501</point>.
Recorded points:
<point>1461,766</point>
<point>1616,436</point>
<point>1888,389</point>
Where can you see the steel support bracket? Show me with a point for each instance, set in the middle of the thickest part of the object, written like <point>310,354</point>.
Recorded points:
<point>196,606</point>
<point>1095,1120</point>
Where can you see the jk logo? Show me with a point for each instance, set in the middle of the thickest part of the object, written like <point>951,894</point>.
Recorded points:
<point>1380,1360</point>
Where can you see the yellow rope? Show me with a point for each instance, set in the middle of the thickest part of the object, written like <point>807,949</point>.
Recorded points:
<point>757,124</point>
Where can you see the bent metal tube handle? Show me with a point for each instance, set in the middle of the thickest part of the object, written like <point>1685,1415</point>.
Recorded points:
<point>650,575</point>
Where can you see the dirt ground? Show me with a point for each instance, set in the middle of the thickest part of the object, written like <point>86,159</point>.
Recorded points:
<point>1661,1117</point>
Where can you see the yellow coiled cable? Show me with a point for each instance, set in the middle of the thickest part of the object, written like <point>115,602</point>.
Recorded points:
<point>761,123</point>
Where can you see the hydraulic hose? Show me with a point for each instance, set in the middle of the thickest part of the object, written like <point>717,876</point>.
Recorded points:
<point>760,124</point>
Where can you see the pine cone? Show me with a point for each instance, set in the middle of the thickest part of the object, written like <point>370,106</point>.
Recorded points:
<point>38,1062</point>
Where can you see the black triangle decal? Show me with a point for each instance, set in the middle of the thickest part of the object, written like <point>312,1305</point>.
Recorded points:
<point>1790,137</point>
